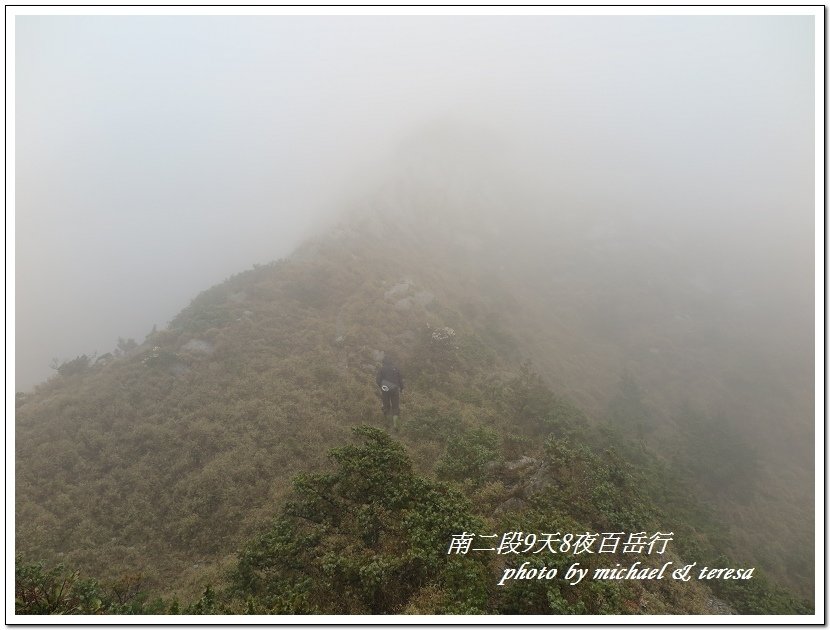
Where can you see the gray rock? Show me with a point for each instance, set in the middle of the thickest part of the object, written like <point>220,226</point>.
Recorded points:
<point>719,607</point>
<point>538,480</point>
<point>523,462</point>
<point>403,305</point>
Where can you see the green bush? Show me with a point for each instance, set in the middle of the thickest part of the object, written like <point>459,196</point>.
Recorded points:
<point>62,591</point>
<point>468,454</point>
<point>365,538</point>
<point>78,365</point>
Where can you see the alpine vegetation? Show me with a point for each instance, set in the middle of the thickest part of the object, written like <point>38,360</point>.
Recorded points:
<point>517,315</point>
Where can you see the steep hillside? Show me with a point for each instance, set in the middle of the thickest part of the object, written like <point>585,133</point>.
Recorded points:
<point>168,456</point>
<point>166,459</point>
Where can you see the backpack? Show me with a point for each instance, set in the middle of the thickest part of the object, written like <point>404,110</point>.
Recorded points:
<point>388,386</point>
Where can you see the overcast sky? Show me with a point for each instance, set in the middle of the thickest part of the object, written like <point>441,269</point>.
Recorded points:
<point>156,156</point>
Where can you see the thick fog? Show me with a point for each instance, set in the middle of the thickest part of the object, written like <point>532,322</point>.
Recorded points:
<point>155,156</point>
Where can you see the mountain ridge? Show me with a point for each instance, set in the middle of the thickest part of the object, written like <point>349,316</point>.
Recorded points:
<point>192,435</point>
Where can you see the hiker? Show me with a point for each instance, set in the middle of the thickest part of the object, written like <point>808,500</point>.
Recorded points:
<point>390,381</point>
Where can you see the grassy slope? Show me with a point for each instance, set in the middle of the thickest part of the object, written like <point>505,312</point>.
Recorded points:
<point>165,460</point>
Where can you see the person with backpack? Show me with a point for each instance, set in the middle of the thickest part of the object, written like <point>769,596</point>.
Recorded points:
<point>390,381</point>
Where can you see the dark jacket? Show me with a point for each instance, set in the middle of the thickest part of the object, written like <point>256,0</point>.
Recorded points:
<point>390,373</point>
